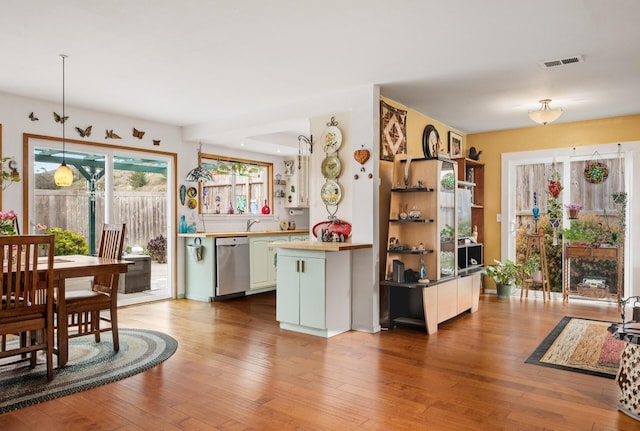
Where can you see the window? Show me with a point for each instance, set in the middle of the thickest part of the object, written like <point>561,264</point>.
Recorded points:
<point>240,186</point>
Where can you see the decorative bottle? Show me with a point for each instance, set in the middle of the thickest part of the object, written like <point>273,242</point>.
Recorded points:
<point>265,208</point>
<point>182,227</point>
<point>423,270</point>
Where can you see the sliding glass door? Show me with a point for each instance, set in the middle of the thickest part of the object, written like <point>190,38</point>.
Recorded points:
<point>111,185</point>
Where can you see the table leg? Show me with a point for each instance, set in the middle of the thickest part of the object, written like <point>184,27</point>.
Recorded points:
<point>63,327</point>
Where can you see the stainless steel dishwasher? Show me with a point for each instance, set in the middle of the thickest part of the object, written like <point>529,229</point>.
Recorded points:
<point>232,267</point>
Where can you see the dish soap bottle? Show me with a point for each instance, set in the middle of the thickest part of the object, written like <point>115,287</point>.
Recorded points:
<point>182,227</point>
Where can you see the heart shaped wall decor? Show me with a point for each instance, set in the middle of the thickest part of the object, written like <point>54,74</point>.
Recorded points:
<point>361,156</point>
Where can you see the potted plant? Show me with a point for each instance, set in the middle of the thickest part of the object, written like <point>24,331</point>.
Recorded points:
<point>157,249</point>
<point>505,274</point>
<point>532,268</point>
<point>574,210</point>
<point>554,208</point>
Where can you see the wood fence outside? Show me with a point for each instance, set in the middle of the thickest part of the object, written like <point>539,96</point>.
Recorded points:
<point>145,213</point>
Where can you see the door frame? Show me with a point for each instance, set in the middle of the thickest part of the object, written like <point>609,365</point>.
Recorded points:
<point>566,156</point>
<point>30,141</point>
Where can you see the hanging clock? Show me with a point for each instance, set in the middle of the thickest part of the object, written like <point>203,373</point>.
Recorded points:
<point>430,142</point>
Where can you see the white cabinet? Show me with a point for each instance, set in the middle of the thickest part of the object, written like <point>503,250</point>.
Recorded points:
<point>262,261</point>
<point>296,192</point>
<point>310,296</point>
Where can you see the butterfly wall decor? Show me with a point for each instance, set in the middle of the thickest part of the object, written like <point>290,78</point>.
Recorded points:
<point>60,119</point>
<point>137,133</point>
<point>33,117</point>
<point>84,133</point>
<point>156,142</point>
<point>110,135</point>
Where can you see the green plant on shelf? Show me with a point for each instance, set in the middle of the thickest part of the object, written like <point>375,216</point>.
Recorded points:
<point>448,233</point>
<point>532,265</point>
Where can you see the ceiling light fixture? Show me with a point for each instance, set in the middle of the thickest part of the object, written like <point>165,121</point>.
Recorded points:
<point>63,176</point>
<point>199,174</point>
<point>545,114</point>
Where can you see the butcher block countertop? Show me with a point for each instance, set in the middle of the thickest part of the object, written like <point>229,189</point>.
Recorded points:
<point>229,234</point>
<point>320,246</point>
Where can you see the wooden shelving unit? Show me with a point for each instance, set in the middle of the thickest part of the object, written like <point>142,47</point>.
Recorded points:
<point>423,227</point>
<point>471,174</point>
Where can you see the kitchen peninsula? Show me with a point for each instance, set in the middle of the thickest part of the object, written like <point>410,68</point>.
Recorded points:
<point>317,283</point>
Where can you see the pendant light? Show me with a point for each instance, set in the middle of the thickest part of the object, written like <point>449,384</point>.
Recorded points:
<point>63,176</point>
<point>545,114</point>
<point>199,174</point>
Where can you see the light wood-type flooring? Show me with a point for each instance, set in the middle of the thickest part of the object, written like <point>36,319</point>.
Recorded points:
<point>236,370</point>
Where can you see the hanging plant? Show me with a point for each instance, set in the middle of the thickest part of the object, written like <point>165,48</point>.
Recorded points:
<point>596,172</point>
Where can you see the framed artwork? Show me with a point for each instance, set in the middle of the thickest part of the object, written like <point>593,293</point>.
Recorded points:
<point>455,145</point>
<point>393,131</point>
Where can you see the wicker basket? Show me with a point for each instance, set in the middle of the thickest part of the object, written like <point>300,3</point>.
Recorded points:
<point>592,291</point>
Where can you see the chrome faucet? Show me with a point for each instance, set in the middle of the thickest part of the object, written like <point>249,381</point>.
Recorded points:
<point>251,222</point>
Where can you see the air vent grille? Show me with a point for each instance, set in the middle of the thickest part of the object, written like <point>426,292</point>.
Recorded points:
<point>562,61</point>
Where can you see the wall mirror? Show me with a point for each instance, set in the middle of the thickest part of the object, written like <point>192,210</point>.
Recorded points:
<point>240,186</point>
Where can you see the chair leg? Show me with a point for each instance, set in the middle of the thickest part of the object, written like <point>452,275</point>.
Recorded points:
<point>95,323</point>
<point>114,328</point>
<point>34,354</point>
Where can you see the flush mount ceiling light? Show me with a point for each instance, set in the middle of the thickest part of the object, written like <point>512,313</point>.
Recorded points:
<point>545,114</point>
<point>63,176</point>
<point>199,174</point>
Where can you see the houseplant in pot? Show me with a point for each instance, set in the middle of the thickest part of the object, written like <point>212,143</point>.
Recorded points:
<point>532,268</point>
<point>505,274</point>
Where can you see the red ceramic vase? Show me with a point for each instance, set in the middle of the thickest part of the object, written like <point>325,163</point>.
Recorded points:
<point>265,208</point>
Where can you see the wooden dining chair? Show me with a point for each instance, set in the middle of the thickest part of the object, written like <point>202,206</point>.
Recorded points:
<point>27,296</point>
<point>84,307</point>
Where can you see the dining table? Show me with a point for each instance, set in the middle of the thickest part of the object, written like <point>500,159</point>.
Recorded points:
<point>75,266</point>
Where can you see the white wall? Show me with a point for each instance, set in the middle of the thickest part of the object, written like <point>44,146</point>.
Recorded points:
<point>358,108</point>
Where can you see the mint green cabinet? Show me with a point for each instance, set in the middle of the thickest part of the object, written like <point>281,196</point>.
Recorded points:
<point>310,296</point>
<point>200,277</point>
<point>262,261</point>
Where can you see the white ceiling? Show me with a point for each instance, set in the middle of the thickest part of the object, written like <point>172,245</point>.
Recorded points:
<point>473,65</point>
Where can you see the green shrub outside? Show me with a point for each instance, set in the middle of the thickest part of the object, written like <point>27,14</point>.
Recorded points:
<point>68,242</point>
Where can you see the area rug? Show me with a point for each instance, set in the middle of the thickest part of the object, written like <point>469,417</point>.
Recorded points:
<point>580,345</point>
<point>90,364</point>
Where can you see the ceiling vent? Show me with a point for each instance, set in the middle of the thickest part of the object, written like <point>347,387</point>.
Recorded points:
<point>562,61</point>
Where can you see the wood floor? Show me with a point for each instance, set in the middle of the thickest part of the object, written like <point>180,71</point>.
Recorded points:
<point>236,370</point>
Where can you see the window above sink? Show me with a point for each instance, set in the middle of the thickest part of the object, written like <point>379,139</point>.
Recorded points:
<point>240,186</point>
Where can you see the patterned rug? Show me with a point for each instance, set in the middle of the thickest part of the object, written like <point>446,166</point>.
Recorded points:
<point>89,365</point>
<point>580,345</point>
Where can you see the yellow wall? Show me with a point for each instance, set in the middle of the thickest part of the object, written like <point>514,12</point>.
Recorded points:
<point>416,122</point>
<point>563,135</point>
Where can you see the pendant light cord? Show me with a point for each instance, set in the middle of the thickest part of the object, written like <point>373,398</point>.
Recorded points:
<point>63,111</point>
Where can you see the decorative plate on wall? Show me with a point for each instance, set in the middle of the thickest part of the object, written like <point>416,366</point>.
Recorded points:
<point>331,192</point>
<point>331,167</point>
<point>331,139</point>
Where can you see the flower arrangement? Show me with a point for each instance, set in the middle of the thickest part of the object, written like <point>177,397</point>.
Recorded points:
<point>8,222</point>
<point>554,208</point>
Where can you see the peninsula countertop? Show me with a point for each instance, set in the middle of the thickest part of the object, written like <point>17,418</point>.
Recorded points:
<point>320,246</point>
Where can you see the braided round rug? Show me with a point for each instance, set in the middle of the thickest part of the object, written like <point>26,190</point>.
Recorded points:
<point>90,365</point>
